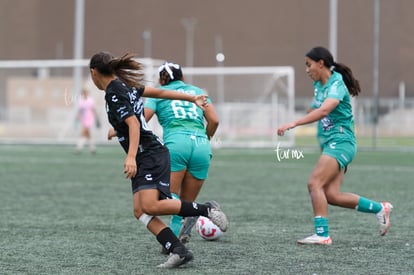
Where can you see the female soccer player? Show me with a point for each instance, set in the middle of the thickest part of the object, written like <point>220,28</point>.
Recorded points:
<point>147,163</point>
<point>187,139</point>
<point>331,107</point>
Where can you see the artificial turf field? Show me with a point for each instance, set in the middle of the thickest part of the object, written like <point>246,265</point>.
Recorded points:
<point>62,213</point>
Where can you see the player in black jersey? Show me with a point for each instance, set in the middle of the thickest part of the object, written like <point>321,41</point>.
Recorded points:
<point>147,163</point>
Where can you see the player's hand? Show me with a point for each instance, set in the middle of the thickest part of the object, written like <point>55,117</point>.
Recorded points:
<point>201,101</point>
<point>130,167</point>
<point>111,133</point>
<point>282,129</point>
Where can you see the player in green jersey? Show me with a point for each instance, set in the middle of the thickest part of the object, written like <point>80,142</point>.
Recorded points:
<point>331,107</point>
<point>187,130</point>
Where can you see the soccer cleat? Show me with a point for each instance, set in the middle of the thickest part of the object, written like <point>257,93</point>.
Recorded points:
<point>383,218</point>
<point>217,216</point>
<point>213,204</point>
<point>185,232</point>
<point>177,259</point>
<point>315,239</point>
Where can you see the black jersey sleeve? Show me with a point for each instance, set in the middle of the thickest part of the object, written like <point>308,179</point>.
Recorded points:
<point>119,105</point>
<point>123,102</point>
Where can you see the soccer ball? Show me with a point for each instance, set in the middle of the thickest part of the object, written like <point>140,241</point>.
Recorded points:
<point>207,229</point>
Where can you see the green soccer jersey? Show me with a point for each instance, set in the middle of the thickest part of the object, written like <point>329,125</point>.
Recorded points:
<point>339,123</point>
<point>178,115</point>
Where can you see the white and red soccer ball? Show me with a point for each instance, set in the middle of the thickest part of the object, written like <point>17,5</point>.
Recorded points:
<point>207,229</point>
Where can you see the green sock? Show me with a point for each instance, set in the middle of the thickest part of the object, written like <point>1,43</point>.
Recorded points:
<point>176,221</point>
<point>368,206</point>
<point>321,226</point>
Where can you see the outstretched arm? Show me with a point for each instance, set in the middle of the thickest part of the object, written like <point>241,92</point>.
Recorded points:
<point>200,100</point>
<point>314,115</point>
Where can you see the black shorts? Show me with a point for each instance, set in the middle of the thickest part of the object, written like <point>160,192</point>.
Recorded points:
<point>153,173</point>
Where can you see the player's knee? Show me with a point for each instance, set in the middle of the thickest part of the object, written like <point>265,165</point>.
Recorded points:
<point>312,184</point>
<point>142,216</point>
<point>145,219</point>
<point>138,213</point>
<point>149,210</point>
<point>315,183</point>
<point>144,210</point>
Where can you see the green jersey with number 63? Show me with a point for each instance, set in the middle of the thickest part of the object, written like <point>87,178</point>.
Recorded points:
<point>179,115</point>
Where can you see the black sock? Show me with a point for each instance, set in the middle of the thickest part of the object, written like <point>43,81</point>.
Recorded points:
<point>192,209</point>
<point>169,241</point>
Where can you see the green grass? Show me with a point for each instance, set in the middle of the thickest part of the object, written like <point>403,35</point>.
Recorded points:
<point>68,214</point>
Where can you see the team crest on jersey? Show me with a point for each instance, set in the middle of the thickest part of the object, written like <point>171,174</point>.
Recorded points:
<point>327,124</point>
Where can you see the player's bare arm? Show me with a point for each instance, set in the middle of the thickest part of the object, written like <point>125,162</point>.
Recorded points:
<point>200,100</point>
<point>315,115</point>
<point>212,119</point>
<point>130,165</point>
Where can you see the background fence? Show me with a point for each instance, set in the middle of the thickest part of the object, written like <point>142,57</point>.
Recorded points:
<point>38,104</point>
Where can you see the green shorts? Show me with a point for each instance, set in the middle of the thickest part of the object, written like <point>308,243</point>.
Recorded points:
<point>191,152</point>
<point>343,151</point>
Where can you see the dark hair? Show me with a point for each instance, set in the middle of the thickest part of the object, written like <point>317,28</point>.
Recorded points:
<point>169,72</point>
<point>320,53</point>
<point>125,68</point>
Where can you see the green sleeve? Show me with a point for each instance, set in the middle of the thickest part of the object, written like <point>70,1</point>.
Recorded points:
<point>151,103</point>
<point>337,91</point>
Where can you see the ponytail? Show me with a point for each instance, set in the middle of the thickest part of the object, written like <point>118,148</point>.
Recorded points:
<point>126,68</point>
<point>351,83</point>
<point>320,53</point>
